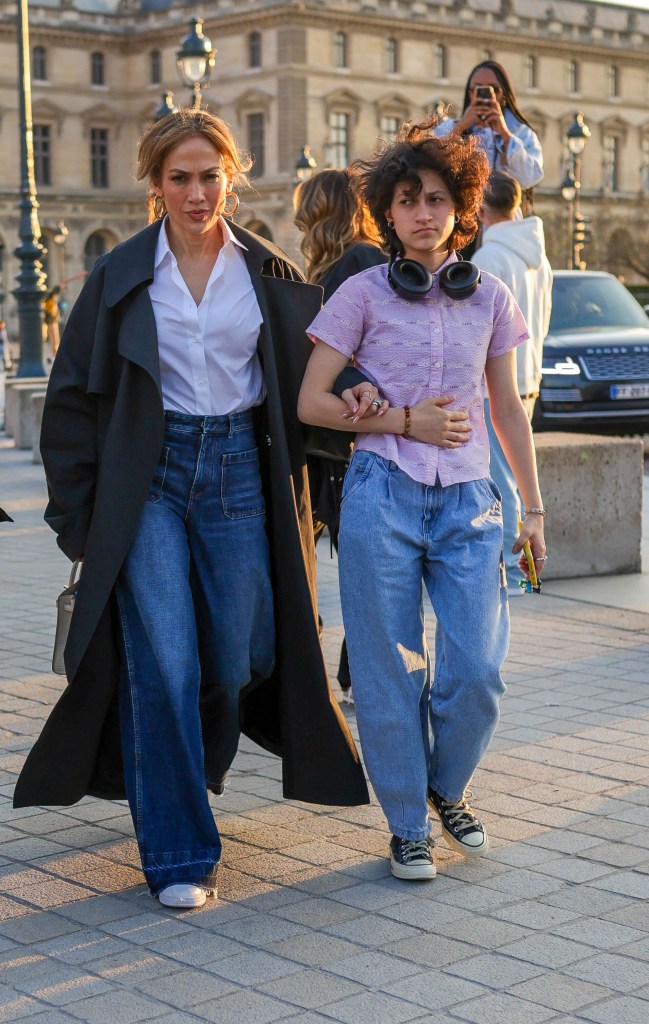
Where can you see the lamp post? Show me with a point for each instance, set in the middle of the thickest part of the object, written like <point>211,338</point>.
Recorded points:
<point>305,165</point>
<point>166,107</point>
<point>195,60</point>
<point>577,136</point>
<point>569,191</point>
<point>31,283</point>
<point>60,238</point>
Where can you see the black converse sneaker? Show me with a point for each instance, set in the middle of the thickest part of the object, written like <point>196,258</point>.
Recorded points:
<point>461,828</point>
<point>412,858</point>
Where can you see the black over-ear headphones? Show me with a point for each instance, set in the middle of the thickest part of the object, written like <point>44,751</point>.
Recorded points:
<point>412,280</point>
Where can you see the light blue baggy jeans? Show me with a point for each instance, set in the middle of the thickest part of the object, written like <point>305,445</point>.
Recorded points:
<point>395,535</point>
<point>196,615</point>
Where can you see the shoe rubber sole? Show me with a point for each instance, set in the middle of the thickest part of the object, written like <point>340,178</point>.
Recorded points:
<point>455,844</point>
<point>416,873</point>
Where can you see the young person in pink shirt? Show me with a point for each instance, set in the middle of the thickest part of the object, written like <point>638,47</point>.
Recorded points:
<point>418,504</point>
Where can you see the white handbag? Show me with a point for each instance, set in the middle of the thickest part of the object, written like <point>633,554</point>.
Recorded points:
<point>64,608</point>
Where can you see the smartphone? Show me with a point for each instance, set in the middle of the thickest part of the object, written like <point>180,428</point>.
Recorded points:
<point>484,92</point>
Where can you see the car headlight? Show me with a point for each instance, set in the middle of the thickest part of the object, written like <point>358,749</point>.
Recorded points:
<point>561,368</point>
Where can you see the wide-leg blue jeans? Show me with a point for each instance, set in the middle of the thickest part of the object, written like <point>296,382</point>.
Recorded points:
<point>196,613</point>
<point>397,535</point>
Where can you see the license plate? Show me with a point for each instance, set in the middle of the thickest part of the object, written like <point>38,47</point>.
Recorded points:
<point>629,390</point>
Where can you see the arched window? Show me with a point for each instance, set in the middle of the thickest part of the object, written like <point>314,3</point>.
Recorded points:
<point>257,144</point>
<point>441,62</point>
<point>39,64</point>
<point>392,56</point>
<point>96,245</point>
<point>340,50</point>
<point>155,67</point>
<point>254,50</point>
<point>260,229</point>
<point>97,68</point>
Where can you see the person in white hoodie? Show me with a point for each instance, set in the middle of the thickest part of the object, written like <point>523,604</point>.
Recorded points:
<point>513,250</point>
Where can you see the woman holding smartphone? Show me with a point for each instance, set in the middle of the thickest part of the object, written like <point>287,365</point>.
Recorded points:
<point>492,114</point>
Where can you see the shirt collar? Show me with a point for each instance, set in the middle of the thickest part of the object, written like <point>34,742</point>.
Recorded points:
<point>163,250</point>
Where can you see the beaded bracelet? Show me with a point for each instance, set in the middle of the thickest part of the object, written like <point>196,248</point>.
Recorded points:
<point>406,429</point>
<point>535,512</point>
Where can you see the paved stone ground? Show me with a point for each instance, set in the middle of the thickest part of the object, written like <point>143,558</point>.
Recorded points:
<point>310,926</point>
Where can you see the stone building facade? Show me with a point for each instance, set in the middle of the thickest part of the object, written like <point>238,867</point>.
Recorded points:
<point>331,73</point>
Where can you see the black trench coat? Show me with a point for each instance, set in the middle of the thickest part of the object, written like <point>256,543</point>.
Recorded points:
<point>102,433</point>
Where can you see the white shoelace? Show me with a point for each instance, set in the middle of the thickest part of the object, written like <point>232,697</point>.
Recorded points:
<point>414,849</point>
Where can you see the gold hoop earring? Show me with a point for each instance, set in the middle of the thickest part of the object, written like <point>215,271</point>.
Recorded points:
<point>231,213</point>
<point>158,205</point>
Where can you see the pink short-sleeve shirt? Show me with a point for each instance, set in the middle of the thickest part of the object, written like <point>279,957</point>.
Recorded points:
<point>421,349</point>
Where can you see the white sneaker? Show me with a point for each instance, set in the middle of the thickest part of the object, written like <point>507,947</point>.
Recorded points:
<point>184,896</point>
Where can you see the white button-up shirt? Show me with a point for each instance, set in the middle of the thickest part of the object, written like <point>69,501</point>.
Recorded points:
<point>208,353</point>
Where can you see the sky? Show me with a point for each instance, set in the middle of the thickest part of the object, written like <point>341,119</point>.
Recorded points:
<point>643,5</point>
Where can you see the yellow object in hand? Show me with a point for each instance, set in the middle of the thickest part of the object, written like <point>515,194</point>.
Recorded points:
<point>531,568</point>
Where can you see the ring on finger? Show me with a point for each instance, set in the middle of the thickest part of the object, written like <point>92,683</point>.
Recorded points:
<point>377,402</point>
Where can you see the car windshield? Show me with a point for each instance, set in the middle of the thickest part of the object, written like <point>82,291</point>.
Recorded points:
<point>585,303</point>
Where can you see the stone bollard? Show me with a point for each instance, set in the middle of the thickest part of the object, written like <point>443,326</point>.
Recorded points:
<point>12,387</point>
<point>23,437</point>
<point>592,490</point>
<point>38,402</point>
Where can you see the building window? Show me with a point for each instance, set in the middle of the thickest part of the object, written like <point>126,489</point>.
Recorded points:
<point>644,164</point>
<point>339,134</point>
<point>254,50</point>
<point>39,64</point>
<point>530,72</point>
<point>155,67</point>
<point>99,157</point>
<point>611,162</point>
<point>97,68</point>
<point>256,144</point>
<point>94,248</point>
<point>340,50</point>
<point>389,127</point>
<point>441,63</point>
<point>573,76</point>
<point>42,154</point>
<point>392,56</point>
<point>613,81</point>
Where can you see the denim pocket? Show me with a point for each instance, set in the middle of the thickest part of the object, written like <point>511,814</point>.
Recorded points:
<point>241,492</point>
<point>157,484</point>
<point>357,473</point>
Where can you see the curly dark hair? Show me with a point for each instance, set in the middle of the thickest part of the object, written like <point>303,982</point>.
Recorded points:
<point>460,162</point>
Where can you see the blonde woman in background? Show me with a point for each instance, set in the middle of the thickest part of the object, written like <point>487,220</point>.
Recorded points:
<point>339,239</point>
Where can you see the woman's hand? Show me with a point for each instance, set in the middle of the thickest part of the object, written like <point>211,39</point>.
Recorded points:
<point>532,530</point>
<point>485,113</point>
<point>432,422</point>
<point>363,401</point>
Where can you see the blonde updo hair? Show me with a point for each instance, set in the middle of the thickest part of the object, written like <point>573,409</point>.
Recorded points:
<point>332,217</point>
<point>171,131</point>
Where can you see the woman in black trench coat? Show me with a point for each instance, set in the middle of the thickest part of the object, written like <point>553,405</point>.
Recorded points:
<point>117,426</point>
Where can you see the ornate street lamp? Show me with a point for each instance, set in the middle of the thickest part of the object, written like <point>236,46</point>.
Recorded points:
<point>569,191</point>
<point>166,107</point>
<point>31,281</point>
<point>577,136</point>
<point>195,60</point>
<point>305,165</point>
